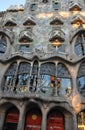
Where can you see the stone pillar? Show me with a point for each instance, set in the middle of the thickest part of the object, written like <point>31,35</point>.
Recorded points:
<point>44,118</point>
<point>68,122</point>
<point>2,119</point>
<point>74,122</point>
<point>21,122</point>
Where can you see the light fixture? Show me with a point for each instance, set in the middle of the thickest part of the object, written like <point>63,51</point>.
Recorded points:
<point>56,43</point>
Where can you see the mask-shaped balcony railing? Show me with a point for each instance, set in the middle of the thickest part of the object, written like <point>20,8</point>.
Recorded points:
<point>26,36</point>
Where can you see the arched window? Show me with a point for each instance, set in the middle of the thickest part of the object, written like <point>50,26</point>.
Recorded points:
<point>63,80</point>
<point>3,43</point>
<point>81,79</point>
<point>34,77</point>
<point>80,44</point>
<point>23,76</point>
<point>55,120</point>
<point>11,119</point>
<point>9,77</point>
<point>47,72</point>
<point>16,78</point>
<point>33,119</point>
<point>81,120</point>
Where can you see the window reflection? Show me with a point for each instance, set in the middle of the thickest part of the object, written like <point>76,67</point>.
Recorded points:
<point>16,78</point>
<point>64,86</point>
<point>79,46</point>
<point>22,82</point>
<point>48,84</point>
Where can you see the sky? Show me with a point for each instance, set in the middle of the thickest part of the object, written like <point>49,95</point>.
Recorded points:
<point>5,4</point>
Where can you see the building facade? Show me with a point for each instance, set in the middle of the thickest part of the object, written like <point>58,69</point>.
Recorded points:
<point>42,62</point>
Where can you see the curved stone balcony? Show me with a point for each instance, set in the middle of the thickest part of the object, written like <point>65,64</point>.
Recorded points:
<point>56,34</point>
<point>26,36</point>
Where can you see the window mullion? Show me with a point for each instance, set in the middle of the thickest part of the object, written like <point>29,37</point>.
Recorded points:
<point>15,77</point>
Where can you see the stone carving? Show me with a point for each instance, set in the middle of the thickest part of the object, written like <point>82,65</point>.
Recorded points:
<point>56,34</point>
<point>25,36</point>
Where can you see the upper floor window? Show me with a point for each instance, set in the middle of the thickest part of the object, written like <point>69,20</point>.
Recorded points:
<point>81,79</point>
<point>55,80</point>
<point>56,5</point>
<point>80,44</point>
<point>16,77</point>
<point>33,7</point>
<point>3,43</point>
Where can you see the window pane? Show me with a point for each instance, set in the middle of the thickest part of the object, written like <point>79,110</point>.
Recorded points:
<point>56,6</point>
<point>47,84</point>
<point>78,49</point>
<point>64,86</point>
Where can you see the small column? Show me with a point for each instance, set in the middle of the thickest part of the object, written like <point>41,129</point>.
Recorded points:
<point>74,122</point>
<point>44,117</point>
<point>56,89</point>
<point>2,119</point>
<point>21,122</point>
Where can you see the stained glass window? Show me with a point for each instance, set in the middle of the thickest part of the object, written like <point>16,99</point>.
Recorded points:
<point>9,77</point>
<point>23,76</point>
<point>47,72</point>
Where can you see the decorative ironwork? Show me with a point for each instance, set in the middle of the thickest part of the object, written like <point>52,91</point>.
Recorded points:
<point>48,68</point>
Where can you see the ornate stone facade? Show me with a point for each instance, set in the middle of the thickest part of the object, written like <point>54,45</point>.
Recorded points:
<point>42,62</point>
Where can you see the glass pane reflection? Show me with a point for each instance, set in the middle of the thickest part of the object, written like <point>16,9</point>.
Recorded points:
<point>64,86</point>
<point>81,85</point>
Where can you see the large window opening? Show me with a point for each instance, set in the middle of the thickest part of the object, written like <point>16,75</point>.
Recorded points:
<point>47,73</point>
